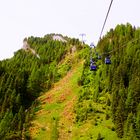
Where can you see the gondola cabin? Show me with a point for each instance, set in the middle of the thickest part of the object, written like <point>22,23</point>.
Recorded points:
<point>107,60</point>
<point>93,67</point>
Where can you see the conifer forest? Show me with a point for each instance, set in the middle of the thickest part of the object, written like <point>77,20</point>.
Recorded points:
<point>106,105</point>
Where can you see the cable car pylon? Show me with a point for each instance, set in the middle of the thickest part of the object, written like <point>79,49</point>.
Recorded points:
<point>82,35</point>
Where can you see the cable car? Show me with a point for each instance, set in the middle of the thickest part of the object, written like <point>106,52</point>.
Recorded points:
<point>93,67</point>
<point>107,60</point>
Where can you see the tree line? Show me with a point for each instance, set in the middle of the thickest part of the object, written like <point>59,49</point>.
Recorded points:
<point>118,83</point>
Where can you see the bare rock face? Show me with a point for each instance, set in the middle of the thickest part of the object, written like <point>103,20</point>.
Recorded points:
<point>25,45</point>
<point>59,38</point>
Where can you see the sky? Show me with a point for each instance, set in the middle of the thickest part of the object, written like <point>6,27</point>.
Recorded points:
<point>24,18</point>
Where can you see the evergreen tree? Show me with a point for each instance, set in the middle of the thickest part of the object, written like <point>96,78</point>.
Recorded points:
<point>5,124</point>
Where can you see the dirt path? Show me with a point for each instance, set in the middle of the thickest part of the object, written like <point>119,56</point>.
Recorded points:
<point>57,104</point>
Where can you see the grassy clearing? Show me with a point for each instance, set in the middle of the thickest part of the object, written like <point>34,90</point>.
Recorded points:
<point>54,117</point>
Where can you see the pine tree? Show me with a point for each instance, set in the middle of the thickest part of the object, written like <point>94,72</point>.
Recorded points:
<point>5,123</point>
<point>128,123</point>
<point>119,121</point>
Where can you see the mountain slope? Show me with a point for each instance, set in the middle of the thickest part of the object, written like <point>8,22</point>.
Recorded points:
<point>114,86</point>
<point>55,119</point>
<point>32,70</point>
<point>69,100</point>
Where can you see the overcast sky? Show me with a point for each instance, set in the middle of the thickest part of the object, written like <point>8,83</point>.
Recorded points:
<point>24,18</point>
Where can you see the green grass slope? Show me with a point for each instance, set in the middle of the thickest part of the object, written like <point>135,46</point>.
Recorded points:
<point>55,117</point>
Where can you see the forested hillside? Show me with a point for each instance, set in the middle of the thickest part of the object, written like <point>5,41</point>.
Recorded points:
<point>113,89</point>
<point>32,70</point>
<point>105,101</point>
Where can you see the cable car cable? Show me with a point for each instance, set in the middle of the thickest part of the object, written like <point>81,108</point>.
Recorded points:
<point>105,19</point>
<point>104,24</point>
<point>123,45</point>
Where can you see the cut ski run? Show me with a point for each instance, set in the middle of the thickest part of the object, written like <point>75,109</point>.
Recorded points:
<point>54,117</point>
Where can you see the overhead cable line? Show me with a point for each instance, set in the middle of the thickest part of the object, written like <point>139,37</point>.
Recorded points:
<point>105,19</point>
<point>123,45</point>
